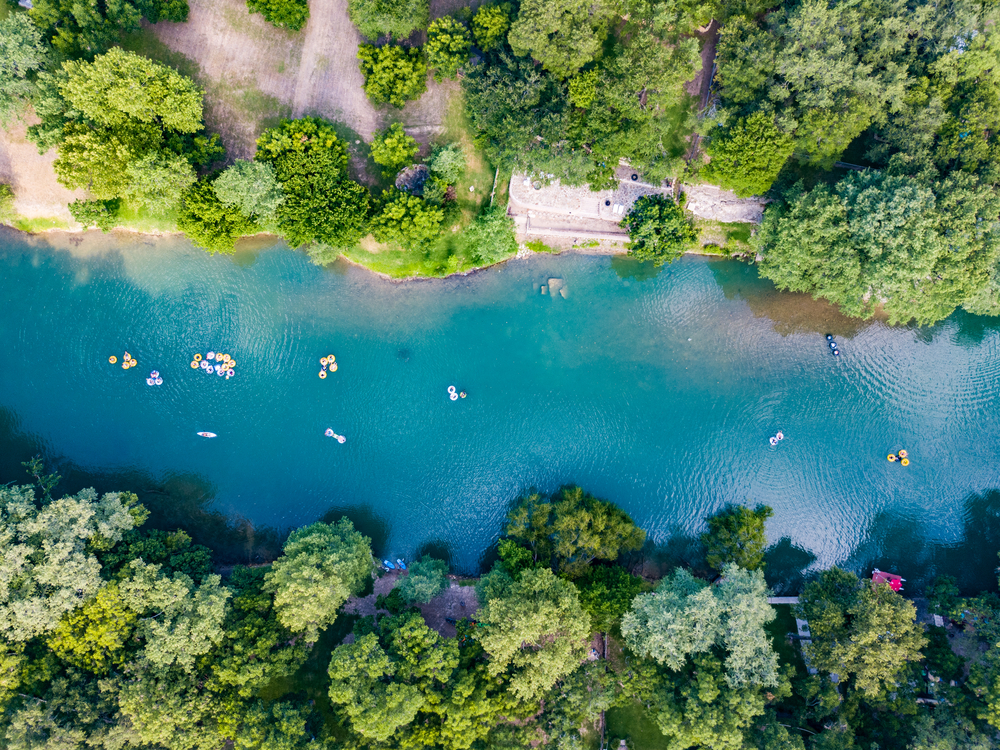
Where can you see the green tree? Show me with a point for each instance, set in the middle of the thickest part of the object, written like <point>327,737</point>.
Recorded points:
<point>747,157</point>
<point>448,163</point>
<point>323,564</point>
<point>320,203</point>
<point>393,74</point>
<point>22,55</point>
<point>47,562</point>
<point>251,187</point>
<point>658,230</point>
<point>425,579</point>
<point>685,617</point>
<point>574,526</point>
<point>394,18</point>
<point>94,636</point>
<point>490,238</point>
<point>887,241</point>
<point>208,222</point>
<point>535,633</point>
<point>860,631</point>
<point>407,220</point>
<point>158,179</point>
<point>563,35</point>
<point>583,88</point>
<point>102,214</point>
<point>736,535</point>
<point>393,149</point>
<point>84,30</point>
<point>6,203</point>
<point>490,26</point>
<point>447,48</point>
<point>285,14</point>
<point>606,593</point>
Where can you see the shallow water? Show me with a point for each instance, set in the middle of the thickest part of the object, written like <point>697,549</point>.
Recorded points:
<point>656,391</point>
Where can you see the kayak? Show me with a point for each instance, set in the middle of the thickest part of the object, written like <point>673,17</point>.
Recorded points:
<point>207,434</point>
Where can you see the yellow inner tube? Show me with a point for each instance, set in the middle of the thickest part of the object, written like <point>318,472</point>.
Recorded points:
<point>903,454</point>
<point>323,361</point>
<point>905,462</point>
<point>333,367</point>
<point>226,358</point>
<point>330,358</point>
<point>194,365</point>
<point>232,363</point>
<point>113,359</point>
<point>322,374</point>
<point>891,456</point>
<point>124,365</point>
<point>197,358</point>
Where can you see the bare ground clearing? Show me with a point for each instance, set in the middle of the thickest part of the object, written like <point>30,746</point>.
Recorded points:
<point>454,603</point>
<point>37,193</point>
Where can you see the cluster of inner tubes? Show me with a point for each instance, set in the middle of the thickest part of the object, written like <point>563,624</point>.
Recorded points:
<point>454,394</point>
<point>154,378</point>
<point>328,363</point>
<point>774,440</point>
<point>330,433</point>
<point>833,345</point>
<point>127,361</point>
<point>224,364</point>
<point>901,457</point>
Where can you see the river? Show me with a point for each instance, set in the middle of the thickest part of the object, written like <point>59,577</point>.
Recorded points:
<point>658,391</point>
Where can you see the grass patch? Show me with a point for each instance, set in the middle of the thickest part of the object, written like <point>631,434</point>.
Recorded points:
<point>39,224</point>
<point>778,629</point>
<point>537,246</point>
<point>719,238</point>
<point>142,219</point>
<point>246,102</point>
<point>633,724</point>
<point>478,172</point>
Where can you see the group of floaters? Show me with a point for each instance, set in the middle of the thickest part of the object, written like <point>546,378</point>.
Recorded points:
<point>330,433</point>
<point>833,345</point>
<point>154,378</point>
<point>454,394</point>
<point>127,360</point>
<point>328,363</point>
<point>902,457</point>
<point>775,438</point>
<point>224,365</point>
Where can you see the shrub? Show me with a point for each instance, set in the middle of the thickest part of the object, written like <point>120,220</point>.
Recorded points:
<point>447,48</point>
<point>658,230</point>
<point>251,187</point>
<point>490,238</point>
<point>392,74</point>
<point>102,214</point>
<point>395,18</point>
<point>490,26</point>
<point>210,223</point>
<point>287,14</point>
<point>747,157</point>
<point>406,220</point>
<point>448,163</point>
<point>393,148</point>
<point>425,580</point>
<point>7,203</point>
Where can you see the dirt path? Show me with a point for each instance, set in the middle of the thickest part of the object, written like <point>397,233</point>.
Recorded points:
<point>37,193</point>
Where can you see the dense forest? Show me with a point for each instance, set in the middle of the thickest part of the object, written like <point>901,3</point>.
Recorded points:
<point>118,636</point>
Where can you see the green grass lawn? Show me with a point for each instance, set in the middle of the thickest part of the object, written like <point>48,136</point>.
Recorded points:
<point>39,224</point>
<point>718,238</point>
<point>778,629</point>
<point>634,725</point>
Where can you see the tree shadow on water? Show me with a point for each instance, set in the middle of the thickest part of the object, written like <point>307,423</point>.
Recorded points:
<point>366,521</point>
<point>656,560</point>
<point>784,564</point>
<point>439,550</point>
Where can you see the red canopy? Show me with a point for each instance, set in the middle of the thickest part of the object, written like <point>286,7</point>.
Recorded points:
<point>894,581</point>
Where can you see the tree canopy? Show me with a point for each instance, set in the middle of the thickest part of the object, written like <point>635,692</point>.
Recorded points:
<point>658,230</point>
<point>393,74</point>
<point>323,564</point>
<point>288,14</point>
<point>447,48</point>
<point>563,35</point>
<point>22,55</point>
<point>396,19</point>
<point>736,535</point>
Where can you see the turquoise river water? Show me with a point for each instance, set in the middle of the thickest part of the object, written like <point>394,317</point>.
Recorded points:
<point>656,391</point>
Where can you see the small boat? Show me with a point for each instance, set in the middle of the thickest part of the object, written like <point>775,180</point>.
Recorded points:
<point>389,565</point>
<point>207,434</point>
<point>400,564</point>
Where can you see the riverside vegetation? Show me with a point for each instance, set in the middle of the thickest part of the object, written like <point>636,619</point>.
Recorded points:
<point>116,636</point>
<point>908,90</point>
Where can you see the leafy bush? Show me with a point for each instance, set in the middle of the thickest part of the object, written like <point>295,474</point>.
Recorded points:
<point>942,595</point>
<point>84,30</point>
<point>606,593</point>
<point>447,48</point>
<point>425,580</point>
<point>208,222</point>
<point>7,203</point>
<point>393,148</point>
<point>490,238</point>
<point>252,187</point>
<point>747,157</point>
<point>407,220</point>
<point>448,163</point>
<point>658,230</point>
<point>392,74</point>
<point>395,18</point>
<point>288,14</point>
<point>102,214</point>
<point>320,203</point>
<point>22,55</point>
<point>490,26</point>
<point>583,89</point>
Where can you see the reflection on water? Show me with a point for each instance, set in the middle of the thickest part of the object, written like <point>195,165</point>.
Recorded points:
<point>657,390</point>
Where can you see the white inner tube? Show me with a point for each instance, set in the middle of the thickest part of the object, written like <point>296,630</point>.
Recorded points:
<point>453,396</point>
<point>451,389</point>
